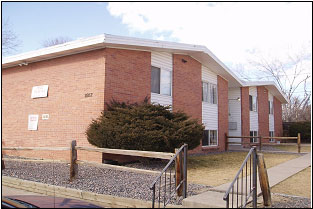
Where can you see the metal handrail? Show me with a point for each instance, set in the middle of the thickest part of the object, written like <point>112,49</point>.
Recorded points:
<point>182,182</point>
<point>252,191</point>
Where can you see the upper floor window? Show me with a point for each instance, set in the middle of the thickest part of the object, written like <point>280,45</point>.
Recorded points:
<point>253,103</point>
<point>161,81</point>
<point>270,106</point>
<point>209,92</point>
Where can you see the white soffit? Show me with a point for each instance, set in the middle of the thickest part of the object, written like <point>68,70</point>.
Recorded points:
<point>200,53</point>
<point>272,87</point>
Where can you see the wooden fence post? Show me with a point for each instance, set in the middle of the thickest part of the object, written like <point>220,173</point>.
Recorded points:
<point>260,149</point>
<point>179,173</point>
<point>299,142</point>
<point>264,182</point>
<point>73,159</point>
<point>226,142</point>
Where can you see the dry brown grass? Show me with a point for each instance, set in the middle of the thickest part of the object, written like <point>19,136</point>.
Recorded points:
<point>298,184</point>
<point>293,148</point>
<point>217,169</point>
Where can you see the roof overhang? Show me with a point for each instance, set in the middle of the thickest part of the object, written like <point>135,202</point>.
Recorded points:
<point>272,87</point>
<point>198,52</point>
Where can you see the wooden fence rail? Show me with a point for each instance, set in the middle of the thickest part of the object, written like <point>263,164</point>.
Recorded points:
<point>73,148</point>
<point>260,143</point>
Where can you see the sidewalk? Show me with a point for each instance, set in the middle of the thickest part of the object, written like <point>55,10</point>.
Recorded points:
<point>276,175</point>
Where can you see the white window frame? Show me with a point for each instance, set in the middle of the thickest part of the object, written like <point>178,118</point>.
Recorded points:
<point>271,134</point>
<point>209,134</point>
<point>210,96</point>
<point>254,133</point>
<point>162,69</point>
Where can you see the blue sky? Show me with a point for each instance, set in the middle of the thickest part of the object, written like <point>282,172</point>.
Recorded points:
<point>234,32</point>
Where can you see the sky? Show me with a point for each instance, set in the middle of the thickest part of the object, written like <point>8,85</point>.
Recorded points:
<point>235,32</point>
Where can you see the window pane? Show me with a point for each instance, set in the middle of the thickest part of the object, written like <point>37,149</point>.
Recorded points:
<point>250,102</point>
<point>214,91</point>
<point>251,134</point>
<point>205,92</point>
<point>205,141</point>
<point>155,80</point>
<point>213,137</point>
<point>166,82</point>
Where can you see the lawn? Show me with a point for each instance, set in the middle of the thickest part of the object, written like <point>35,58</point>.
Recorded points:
<point>293,148</point>
<point>220,168</point>
<point>298,184</point>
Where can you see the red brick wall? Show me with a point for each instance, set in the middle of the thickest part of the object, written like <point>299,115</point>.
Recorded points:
<point>187,86</point>
<point>128,75</point>
<point>245,113</point>
<point>263,112</point>
<point>222,88</point>
<point>69,79</point>
<point>278,121</point>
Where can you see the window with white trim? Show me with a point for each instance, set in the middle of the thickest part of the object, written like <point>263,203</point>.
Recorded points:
<point>209,138</point>
<point>253,133</point>
<point>161,81</point>
<point>270,106</point>
<point>209,92</point>
<point>271,134</point>
<point>253,103</point>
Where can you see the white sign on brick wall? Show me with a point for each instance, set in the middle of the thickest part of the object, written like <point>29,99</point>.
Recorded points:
<point>33,122</point>
<point>39,91</point>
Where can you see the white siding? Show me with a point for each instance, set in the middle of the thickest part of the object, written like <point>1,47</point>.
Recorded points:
<point>254,123</point>
<point>234,112</point>
<point>271,116</point>
<point>164,61</point>
<point>209,111</point>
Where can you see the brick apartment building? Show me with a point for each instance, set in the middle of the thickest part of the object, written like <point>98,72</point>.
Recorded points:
<point>49,96</point>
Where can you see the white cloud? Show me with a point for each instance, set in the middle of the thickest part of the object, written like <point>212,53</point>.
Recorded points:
<point>232,31</point>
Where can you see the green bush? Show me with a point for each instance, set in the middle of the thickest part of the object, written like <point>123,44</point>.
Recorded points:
<point>143,127</point>
<point>304,128</point>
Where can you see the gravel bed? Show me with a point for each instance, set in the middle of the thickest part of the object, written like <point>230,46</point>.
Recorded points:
<point>285,201</point>
<point>91,178</point>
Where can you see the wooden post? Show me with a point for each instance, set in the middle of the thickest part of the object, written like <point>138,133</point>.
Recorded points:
<point>73,159</point>
<point>179,173</point>
<point>226,142</point>
<point>299,142</point>
<point>260,143</point>
<point>264,182</point>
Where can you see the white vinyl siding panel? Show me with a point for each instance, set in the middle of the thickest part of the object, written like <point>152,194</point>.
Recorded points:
<point>271,116</point>
<point>234,115</point>
<point>254,123</point>
<point>209,111</point>
<point>164,61</point>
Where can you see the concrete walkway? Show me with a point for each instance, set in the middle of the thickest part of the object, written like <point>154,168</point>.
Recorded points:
<point>276,174</point>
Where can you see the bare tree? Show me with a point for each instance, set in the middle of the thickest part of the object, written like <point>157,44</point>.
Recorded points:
<point>10,41</point>
<point>292,77</point>
<point>56,41</point>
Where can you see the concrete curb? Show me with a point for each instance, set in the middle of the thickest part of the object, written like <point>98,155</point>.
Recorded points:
<point>98,199</point>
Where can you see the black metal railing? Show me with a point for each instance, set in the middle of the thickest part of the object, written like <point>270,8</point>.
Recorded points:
<point>172,181</point>
<point>244,185</point>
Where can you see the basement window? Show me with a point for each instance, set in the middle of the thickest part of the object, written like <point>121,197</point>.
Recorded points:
<point>253,133</point>
<point>161,81</point>
<point>209,138</point>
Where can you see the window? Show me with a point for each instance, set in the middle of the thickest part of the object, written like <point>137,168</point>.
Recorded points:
<point>161,81</point>
<point>253,103</point>
<point>271,134</point>
<point>270,106</point>
<point>209,138</point>
<point>253,133</point>
<point>209,93</point>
